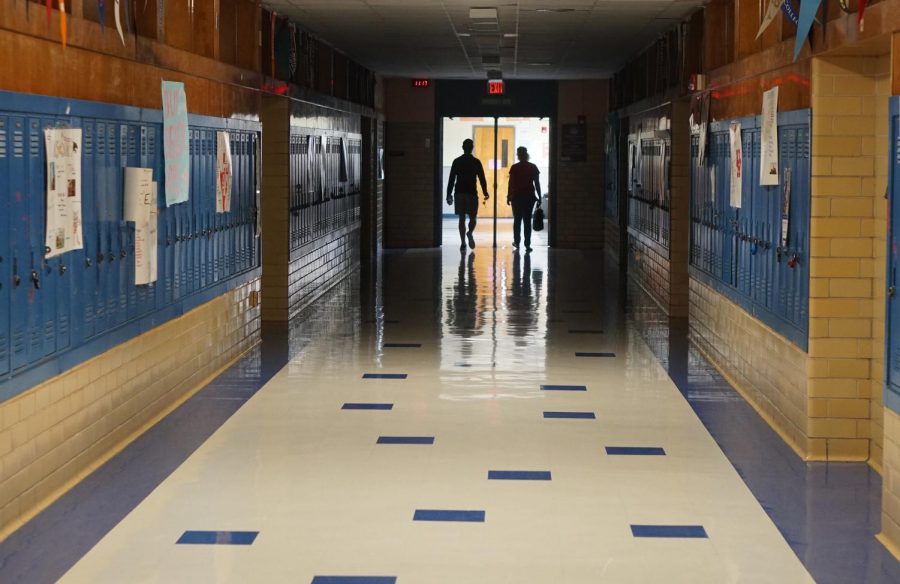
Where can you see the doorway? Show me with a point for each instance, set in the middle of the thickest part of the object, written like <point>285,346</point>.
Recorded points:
<point>497,153</point>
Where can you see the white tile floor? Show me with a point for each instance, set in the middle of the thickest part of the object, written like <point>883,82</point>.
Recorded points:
<point>326,500</point>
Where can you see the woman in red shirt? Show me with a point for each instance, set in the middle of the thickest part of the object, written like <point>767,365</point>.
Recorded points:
<point>524,191</point>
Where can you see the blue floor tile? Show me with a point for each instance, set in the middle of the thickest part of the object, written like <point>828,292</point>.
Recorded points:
<point>589,354</point>
<point>384,375</point>
<point>448,515</point>
<point>519,475</point>
<point>635,451</point>
<point>564,387</point>
<point>405,440</point>
<point>350,406</point>
<point>570,415</point>
<point>669,531</point>
<point>218,537</point>
<point>354,580</point>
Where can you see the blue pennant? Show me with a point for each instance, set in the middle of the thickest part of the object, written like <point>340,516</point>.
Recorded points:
<point>101,9</point>
<point>808,9</point>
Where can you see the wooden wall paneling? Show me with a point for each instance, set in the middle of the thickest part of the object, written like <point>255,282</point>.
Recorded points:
<point>227,31</point>
<point>266,42</point>
<point>719,34</point>
<point>146,19</point>
<point>204,26</point>
<point>746,25</point>
<point>895,60</point>
<point>179,25</point>
<point>340,75</point>
<point>247,47</point>
<point>324,66</point>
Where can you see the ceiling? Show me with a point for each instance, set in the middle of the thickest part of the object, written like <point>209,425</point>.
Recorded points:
<point>460,39</point>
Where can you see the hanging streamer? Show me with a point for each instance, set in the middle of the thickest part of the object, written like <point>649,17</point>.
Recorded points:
<point>101,10</point>
<point>127,16</point>
<point>862,15</point>
<point>49,11</point>
<point>773,10</point>
<point>63,33</point>
<point>808,9</point>
<point>845,6</point>
<point>118,14</point>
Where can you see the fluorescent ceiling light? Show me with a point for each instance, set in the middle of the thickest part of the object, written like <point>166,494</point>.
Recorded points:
<point>483,13</point>
<point>510,35</point>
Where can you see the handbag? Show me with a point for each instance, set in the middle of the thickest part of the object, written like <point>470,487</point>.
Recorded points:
<point>537,220</point>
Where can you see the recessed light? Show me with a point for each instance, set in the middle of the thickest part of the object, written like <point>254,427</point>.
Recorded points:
<point>510,35</point>
<point>556,10</point>
<point>463,34</point>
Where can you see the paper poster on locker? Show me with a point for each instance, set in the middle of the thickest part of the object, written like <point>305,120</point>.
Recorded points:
<point>140,208</point>
<point>175,143</point>
<point>768,165</point>
<point>737,164</point>
<point>152,236</point>
<point>223,173</point>
<point>323,180</point>
<point>64,219</point>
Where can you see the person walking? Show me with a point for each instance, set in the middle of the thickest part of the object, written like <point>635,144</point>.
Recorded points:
<point>524,191</point>
<point>465,170</point>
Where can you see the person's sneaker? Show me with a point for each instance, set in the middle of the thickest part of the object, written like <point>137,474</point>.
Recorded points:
<point>516,245</point>
<point>528,249</point>
<point>471,241</point>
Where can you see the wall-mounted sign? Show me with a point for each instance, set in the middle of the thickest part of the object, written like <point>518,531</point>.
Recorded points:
<point>495,87</point>
<point>574,143</point>
<point>423,83</point>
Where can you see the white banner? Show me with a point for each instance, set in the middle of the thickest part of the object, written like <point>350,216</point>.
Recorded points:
<point>737,165</point>
<point>768,164</point>
<point>64,219</point>
<point>140,208</point>
<point>223,173</point>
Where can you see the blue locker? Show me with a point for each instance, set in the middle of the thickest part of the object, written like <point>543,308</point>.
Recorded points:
<point>892,334</point>
<point>5,263</point>
<point>86,270</point>
<point>42,292</point>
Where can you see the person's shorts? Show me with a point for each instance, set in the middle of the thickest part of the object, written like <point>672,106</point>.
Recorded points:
<point>466,204</point>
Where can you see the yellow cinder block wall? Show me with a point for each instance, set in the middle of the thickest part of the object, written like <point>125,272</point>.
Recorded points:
<point>826,402</point>
<point>847,265</point>
<point>56,432</point>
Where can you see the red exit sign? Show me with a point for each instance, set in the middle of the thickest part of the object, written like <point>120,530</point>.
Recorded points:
<point>495,87</point>
<point>421,82</point>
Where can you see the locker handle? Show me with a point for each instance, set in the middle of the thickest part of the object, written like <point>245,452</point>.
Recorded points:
<point>87,262</point>
<point>891,291</point>
<point>62,269</point>
<point>16,280</point>
<point>35,280</point>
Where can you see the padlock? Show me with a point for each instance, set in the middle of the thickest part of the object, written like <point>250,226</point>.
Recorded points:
<point>792,263</point>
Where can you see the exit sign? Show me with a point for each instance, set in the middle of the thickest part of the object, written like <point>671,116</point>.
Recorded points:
<point>421,82</point>
<point>495,87</point>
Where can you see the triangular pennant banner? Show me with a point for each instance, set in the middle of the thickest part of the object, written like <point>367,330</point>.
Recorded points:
<point>101,10</point>
<point>118,15</point>
<point>49,10</point>
<point>788,8</point>
<point>808,9</point>
<point>773,10</point>
<point>862,15</point>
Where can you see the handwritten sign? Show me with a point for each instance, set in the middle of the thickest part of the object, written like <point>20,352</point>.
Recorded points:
<point>63,147</point>
<point>223,173</point>
<point>175,143</point>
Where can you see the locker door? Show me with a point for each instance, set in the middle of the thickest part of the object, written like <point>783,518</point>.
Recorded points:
<point>118,227</point>
<point>19,248</point>
<point>5,263</point>
<point>42,289</point>
<point>131,158</point>
<point>87,268</point>
<point>892,334</point>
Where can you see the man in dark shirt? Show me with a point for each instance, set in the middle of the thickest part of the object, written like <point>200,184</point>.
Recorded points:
<point>524,192</point>
<point>463,173</point>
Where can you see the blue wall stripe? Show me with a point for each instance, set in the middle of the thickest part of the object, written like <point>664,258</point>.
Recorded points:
<point>519,475</point>
<point>405,440</point>
<point>402,345</point>
<point>384,375</point>
<point>635,450</point>
<point>570,415</point>
<point>218,537</point>
<point>589,354</point>
<point>448,515</point>
<point>354,580</point>
<point>564,387</point>
<point>349,406</point>
<point>681,531</point>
